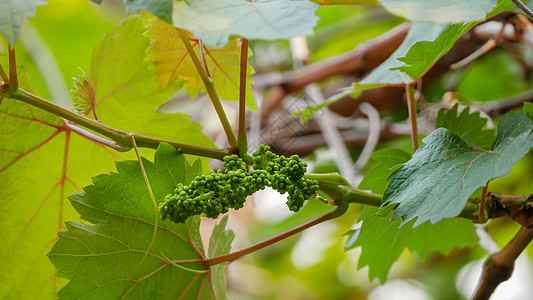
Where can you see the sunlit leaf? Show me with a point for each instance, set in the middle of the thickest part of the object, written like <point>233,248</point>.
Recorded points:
<point>12,15</point>
<point>172,61</point>
<point>440,177</point>
<point>442,12</point>
<point>127,93</point>
<point>220,244</point>
<point>216,21</point>
<point>352,2</point>
<point>42,161</point>
<point>105,260</point>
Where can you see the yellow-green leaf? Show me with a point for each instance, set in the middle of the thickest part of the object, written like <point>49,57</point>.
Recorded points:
<point>172,61</point>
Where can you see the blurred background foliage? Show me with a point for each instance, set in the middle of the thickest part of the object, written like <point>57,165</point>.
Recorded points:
<point>312,265</point>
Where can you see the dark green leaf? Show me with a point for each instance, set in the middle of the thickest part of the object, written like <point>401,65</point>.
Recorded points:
<point>469,126</point>
<point>216,21</point>
<point>12,15</point>
<point>528,109</point>
<point>159,8</point>
<point>352,234</point>
<point>382,241</point>
<point>431,35</point>
<point>424,45</point>
<point>220,244</point>
<point>106,260</point>
<point>388,159</point>
<point>440,177</point>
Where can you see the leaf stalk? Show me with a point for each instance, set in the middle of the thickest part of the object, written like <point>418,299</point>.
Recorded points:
<point>3,74</point>
<point>411,106</point>
<point>339,211</point>
<point>210,88</point>
<point>13,77</point>
<point>243,143</point>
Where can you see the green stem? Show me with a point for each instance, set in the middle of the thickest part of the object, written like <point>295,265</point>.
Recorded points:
<point>523,7</point>
<point>120,137</point>
<point>411,105</point>
<point>243,143</point>
<point>3,74</point>
<point>339,211</point>
<point>482,215</point>
<point>210,88</point>
<point>13,77</point>
<point>335,186</point>
<point>182,267</point>
<point>152,197</point>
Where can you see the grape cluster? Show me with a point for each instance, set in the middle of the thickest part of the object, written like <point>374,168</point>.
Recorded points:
<point>217,192</point>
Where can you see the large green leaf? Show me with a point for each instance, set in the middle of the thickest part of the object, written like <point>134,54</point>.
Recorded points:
<point>428,39</point>
<point>171,61</point>
<point>436,183</point>
<point>423,46</point>
<point>106,260</point>
<point>42,161</point>
<point>160,8</point>
<point>352,2</point>
<point>382,242</point>
<point>443,11</point>
<point>469,126</point>
<point>12,15</point>
<point>387,159</point>
<point>528,109</point>
<point>216,21</point>
<point>127,92</point>
<point>220,244</point>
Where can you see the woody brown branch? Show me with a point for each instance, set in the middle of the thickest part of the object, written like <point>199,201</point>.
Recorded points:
<point>519,208</point>
<point>499,267</point>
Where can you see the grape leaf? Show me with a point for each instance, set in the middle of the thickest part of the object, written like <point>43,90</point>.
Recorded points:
<point>12,15</point>
<point>442,12</point>
<point>424,44</point>
<point>469,126</point>
<point>382,242</point>
<point>215,21</point>
<point>160,8</point>
<point>376,178</point>
<point>172,61</point>
<point>127,97</point>
<point>106,260</point>
<point>220,244</point>
<point>440,177</point>
<point>352,2</point>
<point>528,109</point>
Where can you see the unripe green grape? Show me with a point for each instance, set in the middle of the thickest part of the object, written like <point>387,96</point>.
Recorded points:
<point>217,192</point>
